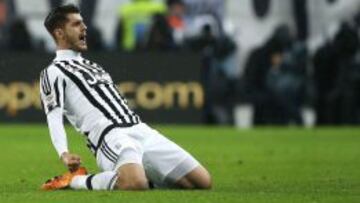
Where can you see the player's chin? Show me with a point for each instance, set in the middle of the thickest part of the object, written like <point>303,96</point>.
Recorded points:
<point>82,47</point>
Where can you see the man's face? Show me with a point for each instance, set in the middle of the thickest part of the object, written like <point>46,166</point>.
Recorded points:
<point>74,33</point>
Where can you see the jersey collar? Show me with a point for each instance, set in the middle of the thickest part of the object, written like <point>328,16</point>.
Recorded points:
<point>66,54</point>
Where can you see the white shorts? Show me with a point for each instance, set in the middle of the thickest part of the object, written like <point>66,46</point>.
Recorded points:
<point>164,161</point>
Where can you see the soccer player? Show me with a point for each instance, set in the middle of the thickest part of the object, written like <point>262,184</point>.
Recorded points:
<point>130,154</point>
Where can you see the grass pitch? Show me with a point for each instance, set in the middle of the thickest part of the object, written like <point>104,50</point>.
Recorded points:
<point>260,165</point>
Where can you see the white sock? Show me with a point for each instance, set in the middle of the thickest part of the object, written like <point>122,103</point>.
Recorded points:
<point>101,181</point>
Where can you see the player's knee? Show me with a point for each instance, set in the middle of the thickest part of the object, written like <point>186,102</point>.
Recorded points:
<point>197,179</point>
<point>131,177</point>
<point>140,184</point>
<point>134,184</point>
<point>204,182</point>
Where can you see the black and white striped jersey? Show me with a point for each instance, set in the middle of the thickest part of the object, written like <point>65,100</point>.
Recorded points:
<point>85,94</point>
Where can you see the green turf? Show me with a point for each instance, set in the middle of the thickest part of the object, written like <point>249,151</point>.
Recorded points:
<point>260,165</point>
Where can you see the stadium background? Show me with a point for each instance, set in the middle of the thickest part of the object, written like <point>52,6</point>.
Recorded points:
<point>204,75</point>
<point>177,84</point>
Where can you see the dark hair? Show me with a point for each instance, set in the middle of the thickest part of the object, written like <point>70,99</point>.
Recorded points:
<point>57,16</point>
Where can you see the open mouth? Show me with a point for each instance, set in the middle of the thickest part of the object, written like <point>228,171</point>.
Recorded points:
<point>82,38</point>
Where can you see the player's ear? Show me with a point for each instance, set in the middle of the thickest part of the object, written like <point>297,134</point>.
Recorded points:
<point>58,33</point>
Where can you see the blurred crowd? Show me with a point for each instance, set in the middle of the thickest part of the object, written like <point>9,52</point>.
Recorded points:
<point>280,78</point>
<point>160,25</point>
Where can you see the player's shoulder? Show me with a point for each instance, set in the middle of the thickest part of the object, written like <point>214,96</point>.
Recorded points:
<point>50,70</point>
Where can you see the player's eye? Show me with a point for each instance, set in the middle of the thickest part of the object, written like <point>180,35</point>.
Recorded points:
<point>77,23</point>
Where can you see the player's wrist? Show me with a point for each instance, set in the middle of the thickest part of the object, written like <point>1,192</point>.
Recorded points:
<point>63,155</point>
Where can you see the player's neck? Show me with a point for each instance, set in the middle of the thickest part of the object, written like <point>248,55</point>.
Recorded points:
<point>63,54</point>
<point>67,49</point>
<point>65,46</point>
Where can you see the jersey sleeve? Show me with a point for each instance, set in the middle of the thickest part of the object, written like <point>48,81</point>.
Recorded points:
<point>52,87</point>
<point>52,90</point>
<point>57,131</point>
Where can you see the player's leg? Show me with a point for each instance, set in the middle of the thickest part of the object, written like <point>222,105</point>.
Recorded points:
<point>198,178</point>
<point>129,176</point>
<point>100,181</point>
<point>168,165</point>
<point>123,154</point>
<point>120,156</point>
<point>132,177</point>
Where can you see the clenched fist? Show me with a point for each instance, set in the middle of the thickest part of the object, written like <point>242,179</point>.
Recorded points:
<point>72,161</point>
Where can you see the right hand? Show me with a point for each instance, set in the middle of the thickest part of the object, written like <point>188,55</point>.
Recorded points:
<point>72,161</point>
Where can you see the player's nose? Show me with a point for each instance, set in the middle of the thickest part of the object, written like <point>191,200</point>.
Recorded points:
<point>84,27</point>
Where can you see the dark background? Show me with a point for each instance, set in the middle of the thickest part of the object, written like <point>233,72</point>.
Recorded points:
<point>164,68</point>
